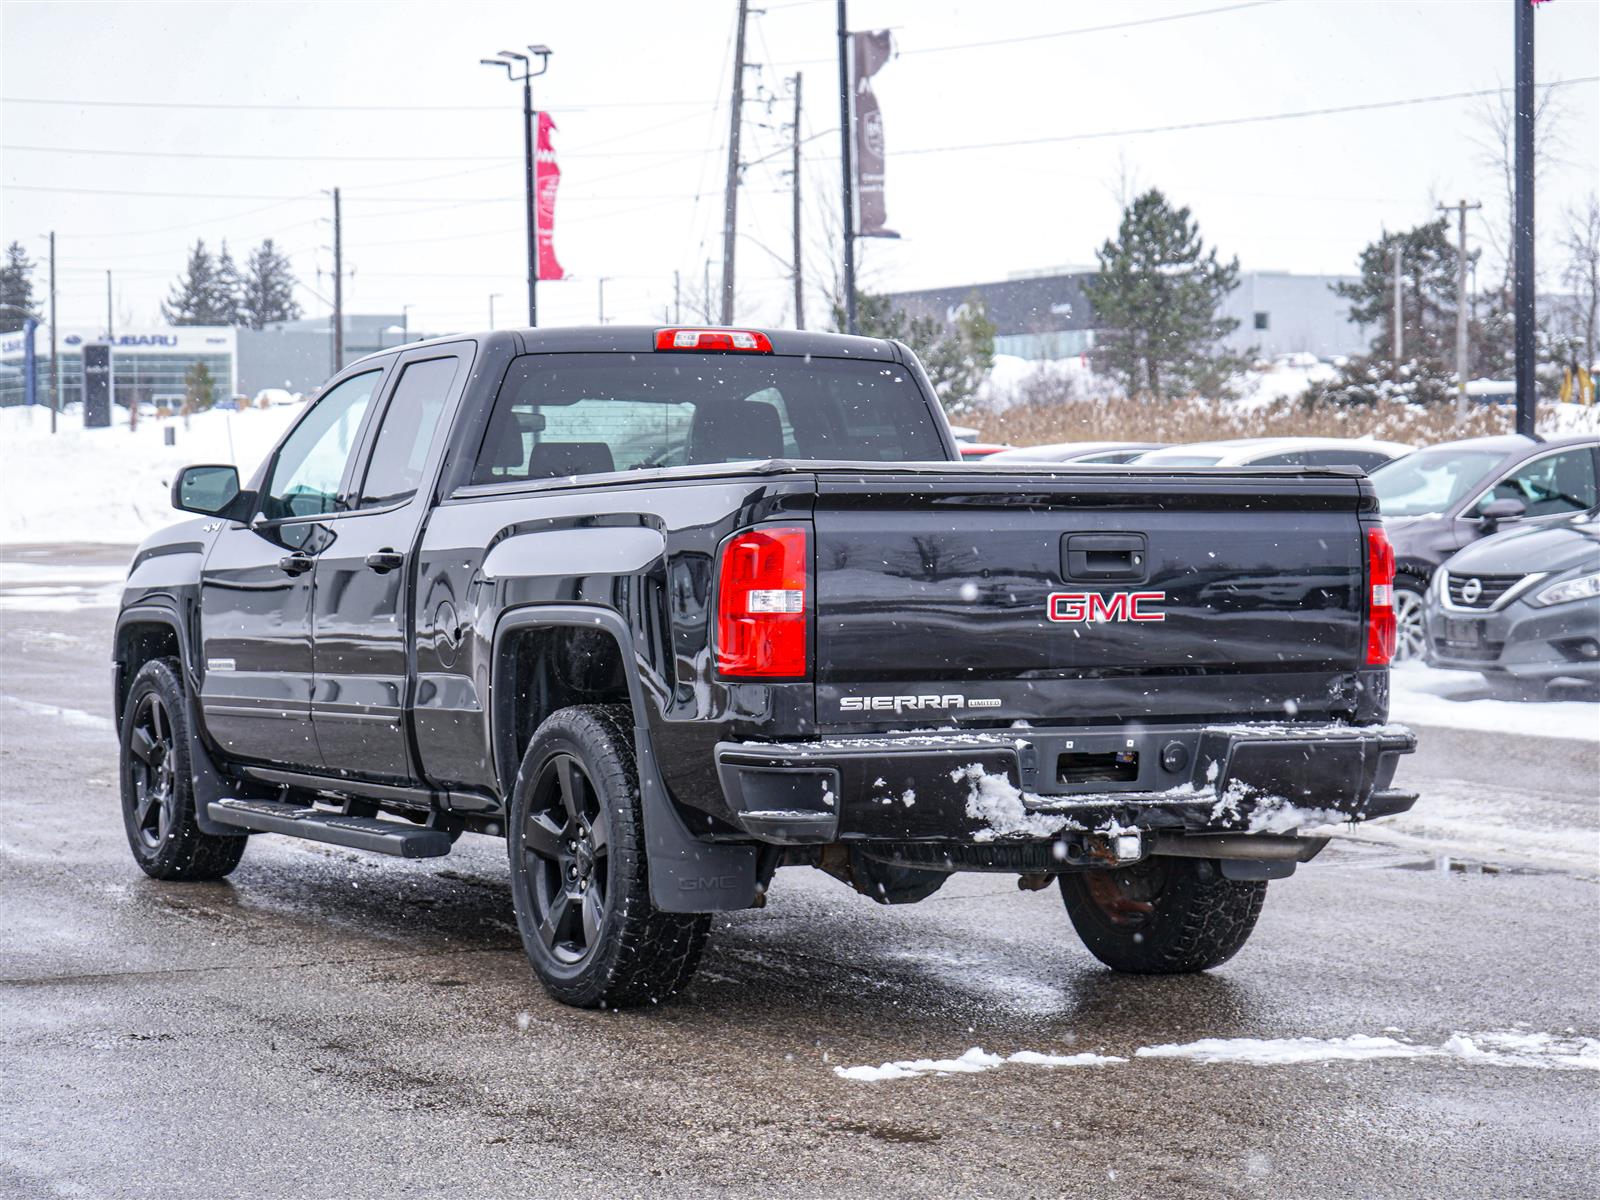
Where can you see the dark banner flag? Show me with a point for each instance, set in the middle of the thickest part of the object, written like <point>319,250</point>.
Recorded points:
<point>871,51</point>
<point>547,180</point>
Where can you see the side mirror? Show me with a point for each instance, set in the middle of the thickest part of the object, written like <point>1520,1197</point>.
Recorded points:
<point>1495,511</point>
<point>210,490</point>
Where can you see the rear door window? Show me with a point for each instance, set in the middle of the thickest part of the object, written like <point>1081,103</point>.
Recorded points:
<point>394,471</point>
<point>562,415</point>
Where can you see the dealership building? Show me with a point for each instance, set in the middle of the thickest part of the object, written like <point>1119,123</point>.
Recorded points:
<point>150,364</point>
<point>146,364</point>
<point>1048,314</point>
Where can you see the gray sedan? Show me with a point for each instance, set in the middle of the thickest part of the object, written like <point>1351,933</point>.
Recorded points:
<point>1524,604</point>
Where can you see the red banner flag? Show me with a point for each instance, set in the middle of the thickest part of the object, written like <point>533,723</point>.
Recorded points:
<point>547,177</point>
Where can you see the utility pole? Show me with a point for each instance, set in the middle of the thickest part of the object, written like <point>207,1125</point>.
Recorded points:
<point>1399,312</point>
<point>338,287</point>
<point>706,294</point>
<point>677,300</point>
<point>1461,211</point>
<point>55,361</point>
<point>845,132</point>
<point>602,310</point>
<point>730,200</point>
<point>799,284</point>
<point>1522,254</point>
<point>529,168</point>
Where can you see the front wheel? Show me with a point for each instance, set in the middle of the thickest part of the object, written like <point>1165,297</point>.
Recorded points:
<point>578,873</point>
<point>1163,916</point>
<point>1410,634</point>
<point>157,788</point>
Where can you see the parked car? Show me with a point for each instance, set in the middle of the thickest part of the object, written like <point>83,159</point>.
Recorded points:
<point>1440,499</point>
<point>1362,453</point>
<point>975,451</point>
<point>1523,604</point>
<point>1086,452</point>
<point>611,595</point>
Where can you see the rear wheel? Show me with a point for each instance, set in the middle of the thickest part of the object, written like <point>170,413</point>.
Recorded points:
<point>157,788</point>
<point>1163,916</point>
<point>578,874</point>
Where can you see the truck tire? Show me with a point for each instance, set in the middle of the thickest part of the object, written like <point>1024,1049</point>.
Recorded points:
<point>579,880</point>
<point>1163,916</point>
<point>157,787</point>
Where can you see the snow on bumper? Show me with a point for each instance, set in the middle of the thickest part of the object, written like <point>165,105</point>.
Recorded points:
<point>1030,784</point>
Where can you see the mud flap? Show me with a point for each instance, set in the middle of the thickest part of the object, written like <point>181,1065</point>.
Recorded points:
<point>204,778</point>
<point>687,875</point>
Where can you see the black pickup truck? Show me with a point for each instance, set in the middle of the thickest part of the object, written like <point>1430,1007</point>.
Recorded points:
<point>669,609</point>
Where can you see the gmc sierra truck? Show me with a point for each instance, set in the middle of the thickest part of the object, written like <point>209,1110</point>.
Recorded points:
<point>668,609</point>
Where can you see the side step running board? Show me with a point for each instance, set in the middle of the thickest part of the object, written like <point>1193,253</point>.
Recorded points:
<point>319,825</point>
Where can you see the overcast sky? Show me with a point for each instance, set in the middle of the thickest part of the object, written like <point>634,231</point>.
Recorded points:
<point>386,100</point>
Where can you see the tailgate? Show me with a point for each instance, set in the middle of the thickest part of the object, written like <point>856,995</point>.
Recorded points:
<point>1083,596</point>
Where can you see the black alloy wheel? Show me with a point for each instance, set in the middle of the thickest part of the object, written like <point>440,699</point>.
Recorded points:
<point>152,771</point>
<point>566,847</point>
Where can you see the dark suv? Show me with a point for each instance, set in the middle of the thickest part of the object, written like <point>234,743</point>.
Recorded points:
<point>1440,499</point>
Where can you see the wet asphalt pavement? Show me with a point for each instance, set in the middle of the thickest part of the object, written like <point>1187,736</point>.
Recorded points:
<point>327,1023</point>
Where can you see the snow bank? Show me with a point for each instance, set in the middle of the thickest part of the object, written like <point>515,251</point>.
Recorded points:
<point>111,485</point>
<point>1495,1048</point>
<point>1509,1048</point>
<point>973,1062</point>
<point>1424,695</point>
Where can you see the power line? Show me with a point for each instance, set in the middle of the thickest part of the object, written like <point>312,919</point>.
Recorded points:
<point>362,108</point>
<point>1226,121</point>
<point>337,158</point>
<point>1040,37</point>
<point>1059,33</point>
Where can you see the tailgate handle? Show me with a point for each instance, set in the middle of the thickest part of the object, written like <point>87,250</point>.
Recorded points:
<point>1122,557</point>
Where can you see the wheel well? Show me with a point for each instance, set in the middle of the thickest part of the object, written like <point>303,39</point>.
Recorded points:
<point>138,643</point>
<point>550,667</point>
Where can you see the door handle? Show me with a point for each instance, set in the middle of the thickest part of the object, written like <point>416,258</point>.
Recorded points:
<point>386,560</point>
<point>295,564</point>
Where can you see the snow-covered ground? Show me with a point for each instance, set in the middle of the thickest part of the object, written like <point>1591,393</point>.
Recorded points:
<point>112,485</point>
<point>1423,695</point>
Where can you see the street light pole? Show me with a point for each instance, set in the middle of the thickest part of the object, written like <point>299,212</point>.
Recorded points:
<point>845,134</point>
<point>1522,252</point>
<point>513,61</point>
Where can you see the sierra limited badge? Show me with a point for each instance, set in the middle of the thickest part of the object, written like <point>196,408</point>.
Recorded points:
<point>899,704</point>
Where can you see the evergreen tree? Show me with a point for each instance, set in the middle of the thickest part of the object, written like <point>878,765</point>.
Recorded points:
<point>1156,301</point>
<point>267,291</point>
<point>200,297</point>
<point>957,359</point>
<point>228,296</point>
<point>16,289</point>
<point>1428,262</point>
<point>199,388</point>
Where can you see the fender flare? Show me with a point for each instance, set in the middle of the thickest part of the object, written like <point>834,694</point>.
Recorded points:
<point>205,780</point>
<point>686,874</point>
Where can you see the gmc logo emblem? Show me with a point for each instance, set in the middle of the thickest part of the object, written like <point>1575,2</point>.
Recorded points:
<point>1092,606</point>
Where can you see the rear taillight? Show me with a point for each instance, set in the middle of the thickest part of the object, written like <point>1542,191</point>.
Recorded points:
<point>747,341</point>
<point>1380,598</point>
<point>761,604</point>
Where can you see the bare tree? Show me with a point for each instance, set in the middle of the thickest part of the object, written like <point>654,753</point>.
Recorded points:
<point>1581,241</point>
<point>1497,139</point>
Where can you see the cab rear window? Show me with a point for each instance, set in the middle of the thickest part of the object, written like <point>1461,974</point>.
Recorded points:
<point>561,415</point>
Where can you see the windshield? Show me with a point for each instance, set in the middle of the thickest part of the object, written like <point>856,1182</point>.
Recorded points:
<point>1430,481</point>
<point>585,414</point>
